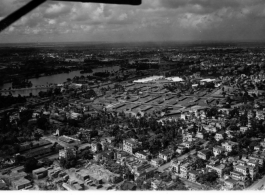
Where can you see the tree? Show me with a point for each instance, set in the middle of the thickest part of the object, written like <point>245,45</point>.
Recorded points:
<point>25,115</point>
<point>19,159</point>
<point>42,122</point>
<point>208,178</point>
<point>200,163</point>
<point>30,165</point>
<point>37,136</point>
<point>86,154</point>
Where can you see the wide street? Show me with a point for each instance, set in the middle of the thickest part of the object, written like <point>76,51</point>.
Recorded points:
<point>257,184</point>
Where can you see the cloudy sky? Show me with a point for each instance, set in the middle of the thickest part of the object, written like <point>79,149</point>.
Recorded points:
<point>154,20</point>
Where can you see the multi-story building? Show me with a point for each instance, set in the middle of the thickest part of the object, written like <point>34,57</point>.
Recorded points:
<point>180,149</point>
<point>184,170</point>
<point>188,144</point>
<point>175,166</point>
<point>67,153</point>
<point>40,173</point>
<point>241,169</point>
<point>243,129</point>
<point>130,145</point>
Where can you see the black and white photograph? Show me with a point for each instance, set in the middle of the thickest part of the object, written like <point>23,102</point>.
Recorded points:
<point>132,95</point>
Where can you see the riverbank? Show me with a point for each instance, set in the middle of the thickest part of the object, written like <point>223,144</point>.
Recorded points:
<point>52,79</point>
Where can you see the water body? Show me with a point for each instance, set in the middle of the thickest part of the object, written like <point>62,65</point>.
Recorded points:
<point>53,79</point>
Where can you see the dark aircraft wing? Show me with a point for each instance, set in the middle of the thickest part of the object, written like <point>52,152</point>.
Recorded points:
<point>35,3</point>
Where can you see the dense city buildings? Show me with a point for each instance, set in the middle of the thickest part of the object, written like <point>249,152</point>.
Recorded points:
<point>133,117</point>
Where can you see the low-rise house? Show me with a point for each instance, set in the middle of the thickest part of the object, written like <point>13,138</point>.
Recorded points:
<point>155,184</point>
<point>260,160</point>
<point>219,136</point>
<point>229,146</point>
<point>263,143</point>
<point>193,175</point>
<point>257,148</point>
<point>204,154</point>
<point>241,162</point>
<point>3,185</point>
<point>97,156</point>
<point>230,184</point>
<point>253,163</point>
<point>95,147</point>
<point>187,137</point>
<point>200,135</point>
<point>219,169</point>
<point>217,150</point>
<point>121,155</point>
<point>157,162</point>
<point>175,166</point>
<point>107,155</point>
<point>210,129</point>
<point>142,155</point>
<point>181,149</point>
<point>40,173</point>
<point>188,145</point>
<point>238,176</point>
<point>53,173</point>
<point>243,129</point>
<point>253,171</point>
<point>166,155</point>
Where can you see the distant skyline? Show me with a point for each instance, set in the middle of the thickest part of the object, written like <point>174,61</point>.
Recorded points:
<point>153,21</point>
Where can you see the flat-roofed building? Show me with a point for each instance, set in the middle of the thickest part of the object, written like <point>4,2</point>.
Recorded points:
<point>40,173</point>
<point>20,184</point>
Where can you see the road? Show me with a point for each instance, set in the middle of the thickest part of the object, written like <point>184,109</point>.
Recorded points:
<point>167,165</point>
<point>257,184</point>
<point>192,184</point>
<point>51,157</point>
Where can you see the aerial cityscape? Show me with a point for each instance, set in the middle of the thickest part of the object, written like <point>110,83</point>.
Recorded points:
<point>134,115</point>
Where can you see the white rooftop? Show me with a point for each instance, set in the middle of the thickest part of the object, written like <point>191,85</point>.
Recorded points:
<point>174,79</point>
<point>148,79</point>
<point>208,80</point>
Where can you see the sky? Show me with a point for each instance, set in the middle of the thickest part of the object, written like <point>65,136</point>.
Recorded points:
<point>154,20</point>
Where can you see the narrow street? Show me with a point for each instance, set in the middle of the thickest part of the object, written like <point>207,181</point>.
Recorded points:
<point>167,165</point>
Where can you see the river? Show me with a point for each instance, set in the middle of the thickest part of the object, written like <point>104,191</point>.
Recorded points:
<point>53,79</point>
